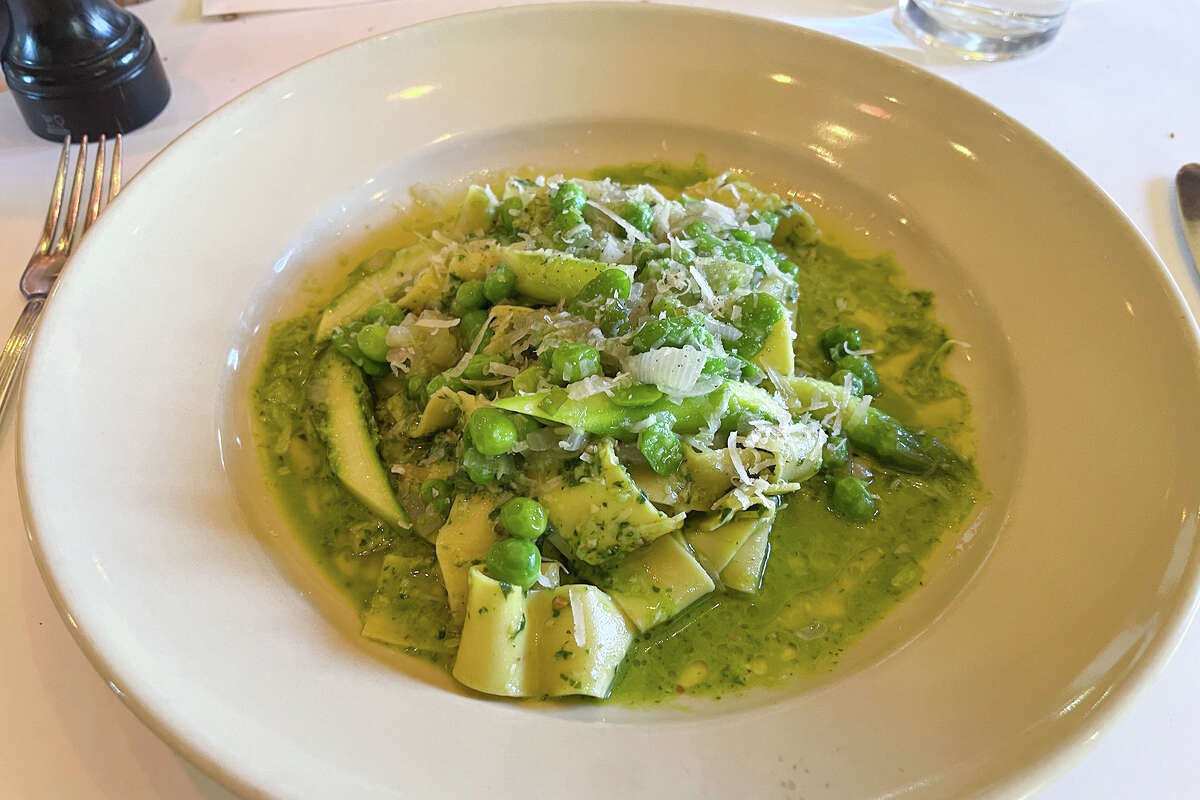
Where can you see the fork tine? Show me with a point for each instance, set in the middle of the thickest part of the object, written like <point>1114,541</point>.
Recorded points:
<point>63,245</point>
<point>56,197</point>
<point>114,184</point>
<point>93,207</point>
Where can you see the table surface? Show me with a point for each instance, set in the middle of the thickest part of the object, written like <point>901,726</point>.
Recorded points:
<point>1113,93</point>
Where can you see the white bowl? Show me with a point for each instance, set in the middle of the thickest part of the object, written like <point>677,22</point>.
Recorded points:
<point>149,517</point>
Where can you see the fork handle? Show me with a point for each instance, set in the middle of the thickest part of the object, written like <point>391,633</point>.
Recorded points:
<point>13,355</point>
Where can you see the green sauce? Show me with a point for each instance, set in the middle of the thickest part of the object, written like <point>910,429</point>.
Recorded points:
<point>827,579</point>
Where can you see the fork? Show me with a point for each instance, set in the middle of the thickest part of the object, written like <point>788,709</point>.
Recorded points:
<point>51,254</point>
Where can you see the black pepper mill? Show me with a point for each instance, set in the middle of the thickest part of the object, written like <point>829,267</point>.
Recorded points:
<point>82,67</point>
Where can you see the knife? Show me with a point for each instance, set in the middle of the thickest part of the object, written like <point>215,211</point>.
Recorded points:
<point>1187,192</point>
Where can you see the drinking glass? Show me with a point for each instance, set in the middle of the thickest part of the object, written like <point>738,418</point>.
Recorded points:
<point>983,30</point>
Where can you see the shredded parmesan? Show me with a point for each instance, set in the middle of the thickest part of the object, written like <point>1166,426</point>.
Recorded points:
<point>736,459</point>
<point>705,290</point>
<point>633,232</point>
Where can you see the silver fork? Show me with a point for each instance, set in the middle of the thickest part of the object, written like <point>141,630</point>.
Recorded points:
<point>51,254</point>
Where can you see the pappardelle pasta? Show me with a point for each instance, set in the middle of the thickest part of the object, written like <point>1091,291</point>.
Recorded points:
<point>570,416</point>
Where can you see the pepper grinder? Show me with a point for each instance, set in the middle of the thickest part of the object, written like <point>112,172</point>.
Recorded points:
<point>82,67</point>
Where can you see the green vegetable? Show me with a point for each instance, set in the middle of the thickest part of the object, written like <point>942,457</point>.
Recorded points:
<point>852,499</point>
<point>732,403</point>
<point>364,293</point>
<point>482,469</point>
<point>872,432</point>
<point>415,389</point>
<point>574,361</point>
<point>796,229</point>
<point>696,229</point>
<point>707,244</point>
<point>547,276</point>
<point>672,332</point>
<point>759,313</point>
<point>477,367</point>
<point>499,284</point>
<point>642,394</point>
<point>523,517</point>
<point>860,367</point>
<point>347,429</point>
<point>384,313</point>
<point>469,296</point>
<point>661,448</point>
<point>639,215</point>
<point>527,380</point>
<point>835,452</point>
<point>644,252</point>
<point>437,494</point>
<point>837,340</point>
<point>601,300</point>
<point>740,235</point>
<point>372,342</point>
<point>491,431</point>
<point>515,561</point>
<point>856,384</point>
<point>469,325</point>
<point>568,197</point>
<point>508,208</point>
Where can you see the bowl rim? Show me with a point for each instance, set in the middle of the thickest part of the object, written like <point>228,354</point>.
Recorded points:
<point>1021,779</point>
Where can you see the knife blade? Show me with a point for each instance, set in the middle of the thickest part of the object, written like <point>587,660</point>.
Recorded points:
<point>1187,192</point>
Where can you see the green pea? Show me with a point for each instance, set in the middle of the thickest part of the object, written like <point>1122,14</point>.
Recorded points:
<point>643,252</point>
<point>789,267</point>
<point>523,517</point>
<point>667,305</point>
<point>416,388</point>
<point>852,499</point>
<point>480,468</point>
<point>742,236</point>
<point>469,296</point>
<point>491,431</point>
<point>515,561</point>
<point>672,332</point>
<point>373,368</point>
<point>499,284</point>
<point>602,301</point>
<point>612,284</point>
<point>568,222</point>
<point>696,229</point>
<point>858,365</point>
<point>836,340</point>
<point>759,313</point>
<point>639,215</point>
<point>839,378</point>
<point>707,244</point>
<point>507,210</point>
<point>477,367</point>
<point>661,448</point>
<point>769,253</point>
<point>440,380</point>
<point>742,253</point>
<point>835,452</point>
<point>747,371</point>
<point>569,196</point>
<point>372,342</point>
<point>469,326</point>
<point>653,270</point>
<point>385,313</point>
<point>642,394</point>
<point>769,217</point>
<point>681,254</point>
<point>527,380</point>
<point>345,341</point>
<point>437,494</point>
<point>575,361</point>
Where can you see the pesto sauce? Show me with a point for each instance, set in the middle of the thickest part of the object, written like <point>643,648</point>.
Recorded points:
<point>827,579</point>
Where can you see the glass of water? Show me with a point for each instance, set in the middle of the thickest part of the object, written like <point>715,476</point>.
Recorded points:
<point>983,30</point>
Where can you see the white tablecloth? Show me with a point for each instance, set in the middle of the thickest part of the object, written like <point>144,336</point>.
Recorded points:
<point>1116,93</point>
